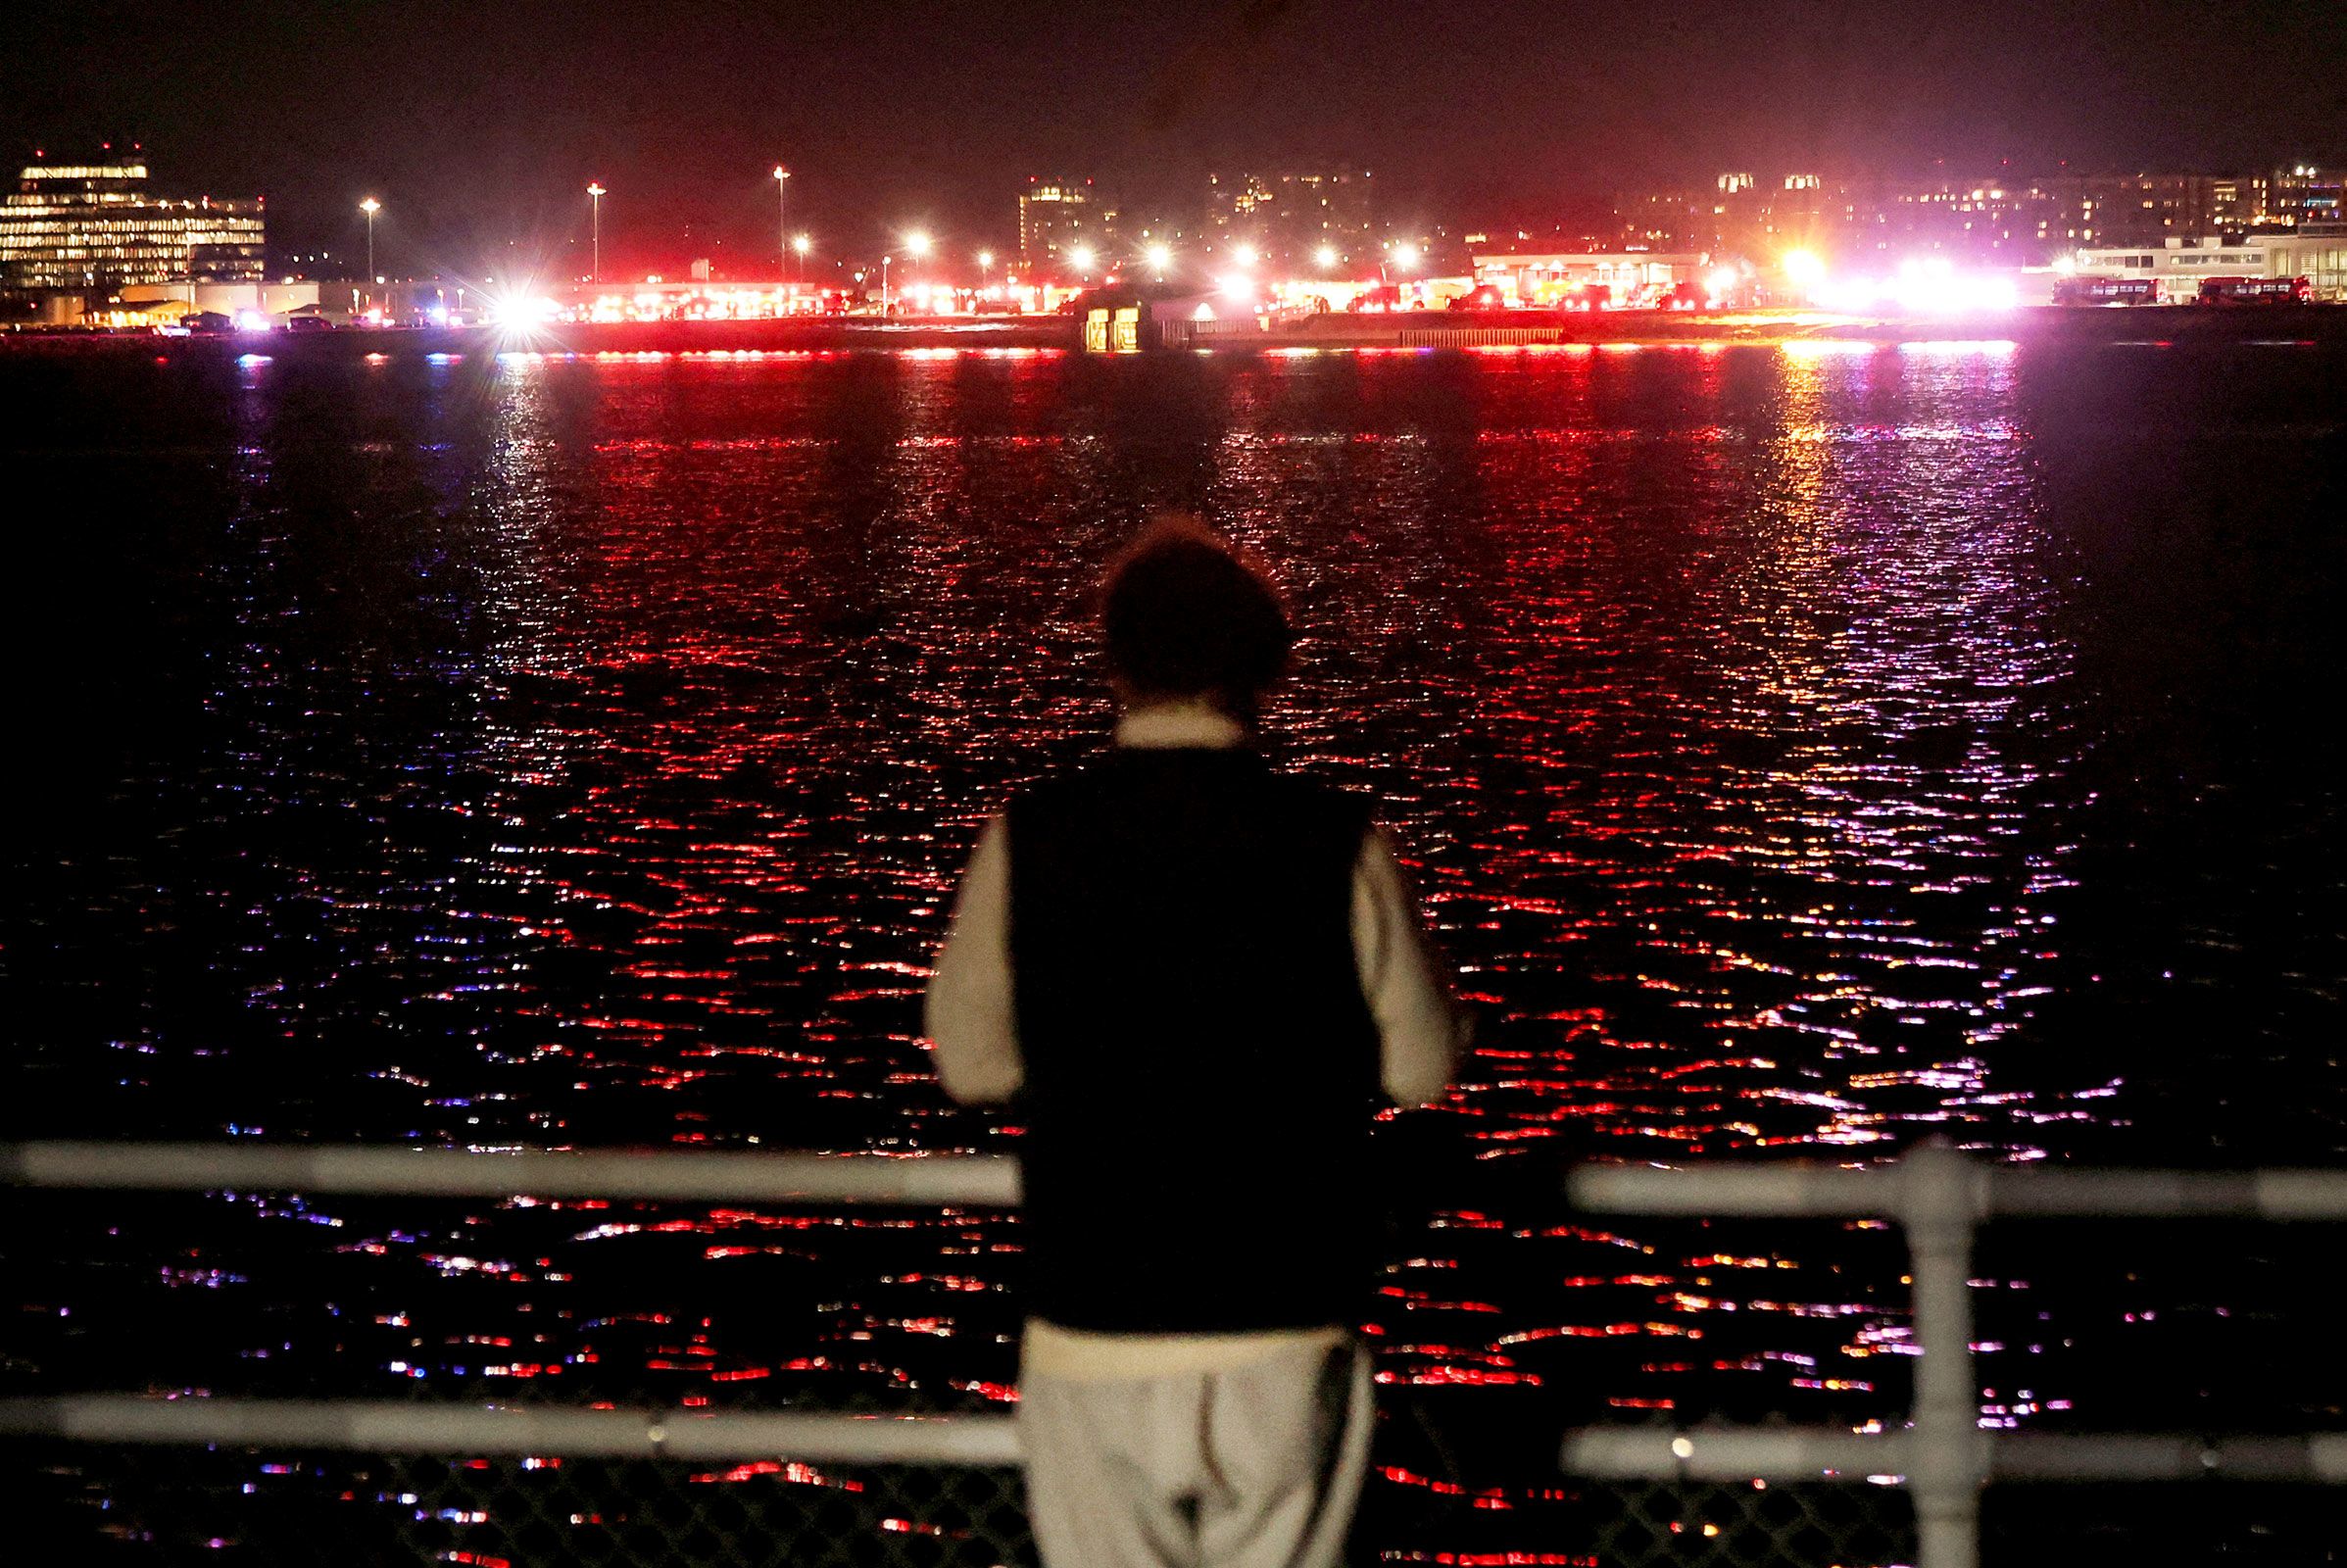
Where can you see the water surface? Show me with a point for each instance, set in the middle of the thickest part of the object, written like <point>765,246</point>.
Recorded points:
<point>1799,748</point>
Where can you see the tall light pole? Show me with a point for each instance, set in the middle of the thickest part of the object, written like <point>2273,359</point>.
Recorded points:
<point>782,215</point>
<point>884,261</point>
<point>595,194</point>
<point>370,207</point>
<point>916,244</point>
<point>1402,257</point>
<point>986,265</point>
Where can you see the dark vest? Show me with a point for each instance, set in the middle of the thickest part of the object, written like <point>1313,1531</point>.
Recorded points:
<point>1202,1066</point>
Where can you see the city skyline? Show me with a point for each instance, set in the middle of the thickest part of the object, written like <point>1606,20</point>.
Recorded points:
<point>1314,223</point>
<point>94,221</point>
<point>479,129</point>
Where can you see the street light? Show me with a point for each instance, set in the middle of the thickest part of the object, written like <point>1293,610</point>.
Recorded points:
<point>985,263</point>
<point>1080,257</point>
<point>782,215</point>
<point>916,245</point>
<point>1160,257</point>
<point>370,207</point>
<point>595,194</point>
<point>1326,255</point>
<point>1243,255</point>
<point>800,246</point>
<point>1397,259</point>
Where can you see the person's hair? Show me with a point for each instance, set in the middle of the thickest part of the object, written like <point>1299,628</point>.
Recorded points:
<point>1185,617</point>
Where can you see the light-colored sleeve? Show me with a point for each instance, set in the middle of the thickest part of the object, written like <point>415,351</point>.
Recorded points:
<point>969,1013</point>
<point>1420,1027</point>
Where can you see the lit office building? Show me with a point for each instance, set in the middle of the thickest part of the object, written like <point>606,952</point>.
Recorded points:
<point>1993,219</point>
<point>1289,219</point>
<point>1057,217</point>
<point>2304,194</point>
<point>96,225</point>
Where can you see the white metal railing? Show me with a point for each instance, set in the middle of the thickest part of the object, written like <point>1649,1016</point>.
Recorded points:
<point>391,1426</point>
<point>1941,1197</point>
<point>990,1180</point>
<point>402,1426</point>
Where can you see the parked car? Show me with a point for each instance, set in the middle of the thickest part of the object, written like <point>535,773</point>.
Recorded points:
<point>207,322</point>
<point>308,323</point>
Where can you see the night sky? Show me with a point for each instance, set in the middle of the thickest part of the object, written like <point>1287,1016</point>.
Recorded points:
<point>480,125</point>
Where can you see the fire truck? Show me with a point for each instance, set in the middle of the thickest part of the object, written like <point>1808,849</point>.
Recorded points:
<point>2107,291</point>
<point>2256,291</point>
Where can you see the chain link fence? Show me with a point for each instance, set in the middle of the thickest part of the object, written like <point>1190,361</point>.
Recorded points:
<point>1575,1524</point>
<point>171,1506</point>
<point>107,1505</point>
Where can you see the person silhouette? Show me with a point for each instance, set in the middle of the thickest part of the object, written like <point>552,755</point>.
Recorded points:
<point>1196,975</point>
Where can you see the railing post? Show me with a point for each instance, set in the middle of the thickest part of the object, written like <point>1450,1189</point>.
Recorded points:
<point>1940,1202</point>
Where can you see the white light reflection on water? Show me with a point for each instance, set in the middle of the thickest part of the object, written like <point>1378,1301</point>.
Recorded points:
<point>600,737</point>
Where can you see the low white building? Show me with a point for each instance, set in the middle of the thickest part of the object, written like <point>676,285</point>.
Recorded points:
<point>2317,252</point>
<point>1546,278</point>
<point>232,299</point>
<point>2182,265</point>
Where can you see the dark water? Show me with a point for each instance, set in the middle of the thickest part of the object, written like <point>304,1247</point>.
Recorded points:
<point>1803,750</point>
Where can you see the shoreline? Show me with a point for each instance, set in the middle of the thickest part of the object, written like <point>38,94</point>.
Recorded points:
<point>1414,331</point>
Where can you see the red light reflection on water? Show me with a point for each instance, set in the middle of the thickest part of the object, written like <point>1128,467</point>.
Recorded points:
<point>1719,696</point>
